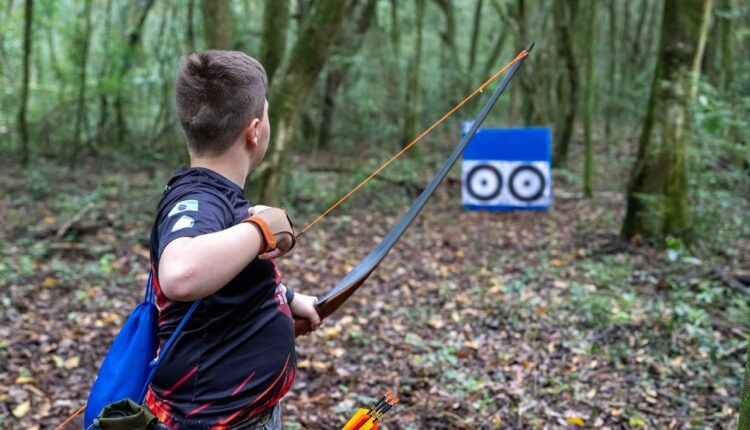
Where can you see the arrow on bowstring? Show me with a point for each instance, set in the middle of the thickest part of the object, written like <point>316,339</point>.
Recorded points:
<point>332,300</point>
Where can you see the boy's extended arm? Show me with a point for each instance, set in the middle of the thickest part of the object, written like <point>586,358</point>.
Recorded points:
<point>191,268</point>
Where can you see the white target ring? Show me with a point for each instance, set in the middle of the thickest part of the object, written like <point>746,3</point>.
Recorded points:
<point>484,182</point>
<point>527,183</point>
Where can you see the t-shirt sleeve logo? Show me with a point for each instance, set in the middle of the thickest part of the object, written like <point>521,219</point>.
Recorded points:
<point>184,206</point>
<point>184,222</point>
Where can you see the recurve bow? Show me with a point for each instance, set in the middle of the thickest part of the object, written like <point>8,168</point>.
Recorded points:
<point>332,300</point>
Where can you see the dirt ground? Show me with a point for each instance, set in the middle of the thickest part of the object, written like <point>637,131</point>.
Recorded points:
<point>476,319</point>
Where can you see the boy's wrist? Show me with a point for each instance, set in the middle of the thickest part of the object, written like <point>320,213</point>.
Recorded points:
<point>261,238</point>
<point>289,295</point>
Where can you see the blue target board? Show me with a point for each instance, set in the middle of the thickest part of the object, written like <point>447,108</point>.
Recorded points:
<point>506,169</point>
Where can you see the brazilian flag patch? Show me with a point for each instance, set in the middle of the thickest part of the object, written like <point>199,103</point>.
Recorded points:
<point>184,206</point>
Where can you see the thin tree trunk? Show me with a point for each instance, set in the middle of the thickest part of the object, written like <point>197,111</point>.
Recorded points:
<point>350,44</point>
<point>613,87</point>
<point>27,47</point>
<point>217,24</point>
<point>190,28</point>
<point>565,18</point>
<point>635,50</point>
<point>395,34</point>
<point>477,28</point>
<point>657,200</point>
<point>526,88</point>
<point>273,44</point>
<point>103,72</point>
<point>81,119</point>
<point>290,91</point>
<point>728,17</point>
<point>133,38</point>
<point>588,159</point>
<point>413,104</point>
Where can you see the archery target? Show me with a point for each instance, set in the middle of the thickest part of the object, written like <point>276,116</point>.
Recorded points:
<point>506,169</point>
<point>492,184</point>
<point>526,183</point>
<point>483,182</point>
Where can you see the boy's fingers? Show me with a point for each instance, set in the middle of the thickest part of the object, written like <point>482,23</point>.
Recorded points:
<point>269,255</point>
<point>253,210</point>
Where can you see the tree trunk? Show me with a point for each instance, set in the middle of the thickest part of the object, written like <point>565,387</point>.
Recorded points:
<point>565,13</point>
<point>289,92</point>
<point>273,44</point>
<point>23,130</point>
<point>588,158</point>
<point>217,24</point>
<point>657,195</point>
<point>81,117</point>
<point>475,36</point>
<point>133,38</point>
<point>350,44</point>
<point>189,28</point>
<point>612,95</point>
<point>413,103</point>
<point>744,423</point>
<point>728,17</point>
<point>526,88</point>
<point>395,34</point>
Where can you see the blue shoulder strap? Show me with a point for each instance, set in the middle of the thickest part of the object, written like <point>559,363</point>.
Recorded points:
<point>150,297</point>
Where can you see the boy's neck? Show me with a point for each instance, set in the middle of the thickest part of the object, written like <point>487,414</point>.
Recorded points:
<point>227,164</point>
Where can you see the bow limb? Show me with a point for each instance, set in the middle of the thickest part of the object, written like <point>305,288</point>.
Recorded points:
<point>328,304</point>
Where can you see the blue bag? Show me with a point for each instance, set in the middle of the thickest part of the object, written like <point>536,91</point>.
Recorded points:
<point>131,362</point>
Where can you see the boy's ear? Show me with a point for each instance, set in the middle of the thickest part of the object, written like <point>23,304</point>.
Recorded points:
<point>251,132</point>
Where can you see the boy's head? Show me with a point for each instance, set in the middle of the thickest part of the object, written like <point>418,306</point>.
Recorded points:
<point>218,95</point>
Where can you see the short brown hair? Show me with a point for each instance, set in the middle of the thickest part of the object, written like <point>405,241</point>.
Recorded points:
<point>216,94</point>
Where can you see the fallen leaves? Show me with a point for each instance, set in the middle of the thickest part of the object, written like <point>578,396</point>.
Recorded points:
<point>480,336</point>
<point>22,409</point>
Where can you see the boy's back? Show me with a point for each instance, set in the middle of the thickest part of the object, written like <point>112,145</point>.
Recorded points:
<point>235,357</point>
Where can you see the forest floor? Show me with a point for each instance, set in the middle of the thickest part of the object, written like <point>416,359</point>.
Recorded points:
<point>476,319</point>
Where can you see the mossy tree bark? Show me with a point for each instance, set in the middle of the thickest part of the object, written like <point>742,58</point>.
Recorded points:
<point>565,14</point>
<point>348,44</point>
<point>289,91</point>
<point>413,104</point>
<point>657,199</point>
<point>273,44</point>
<point>217,24</point>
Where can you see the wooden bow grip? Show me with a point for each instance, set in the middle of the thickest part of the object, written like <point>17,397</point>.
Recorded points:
<point>302,325</point>
<point>325,307</point>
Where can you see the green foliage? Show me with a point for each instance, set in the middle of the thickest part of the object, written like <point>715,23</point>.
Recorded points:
<point>720,162</point>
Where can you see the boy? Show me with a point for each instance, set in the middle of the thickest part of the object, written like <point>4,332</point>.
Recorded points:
<point>235,358</point>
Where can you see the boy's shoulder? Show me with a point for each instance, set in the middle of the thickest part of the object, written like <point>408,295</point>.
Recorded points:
<point>191,190</point>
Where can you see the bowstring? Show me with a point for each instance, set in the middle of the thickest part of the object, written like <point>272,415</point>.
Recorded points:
<point>427,131</point>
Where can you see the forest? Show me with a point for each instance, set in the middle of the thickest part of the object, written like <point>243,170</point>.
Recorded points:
<point>626,304</point>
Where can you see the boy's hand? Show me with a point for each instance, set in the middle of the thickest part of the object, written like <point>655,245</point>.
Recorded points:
<point>303,306</point>
<point>276,229</point>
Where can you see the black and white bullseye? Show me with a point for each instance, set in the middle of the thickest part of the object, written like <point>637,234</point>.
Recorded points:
<point>526,183</point>
<point>484,182</point>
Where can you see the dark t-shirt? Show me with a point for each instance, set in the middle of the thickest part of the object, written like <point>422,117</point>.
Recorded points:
<point>235,357</point>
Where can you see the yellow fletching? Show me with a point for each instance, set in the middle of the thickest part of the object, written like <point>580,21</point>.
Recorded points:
<point>369,425</point>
